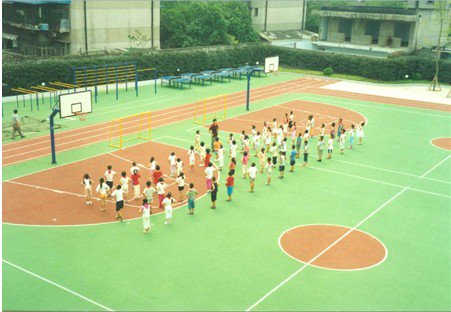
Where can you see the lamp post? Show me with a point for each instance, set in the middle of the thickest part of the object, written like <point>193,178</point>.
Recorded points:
<point>248,93</point>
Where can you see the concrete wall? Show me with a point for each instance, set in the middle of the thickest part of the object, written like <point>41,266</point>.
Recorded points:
<point>427,29</point>
<point>110,22</point>
<point>281,15</point>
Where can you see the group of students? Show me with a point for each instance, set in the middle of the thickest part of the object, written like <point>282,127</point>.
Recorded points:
<point>270,146</point>
<point>106,188</point>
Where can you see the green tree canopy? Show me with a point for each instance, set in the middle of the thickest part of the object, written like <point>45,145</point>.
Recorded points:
<point>186,24</point>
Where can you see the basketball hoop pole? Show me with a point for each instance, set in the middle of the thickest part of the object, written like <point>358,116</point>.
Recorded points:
<point>248,93</point>
<point>52,133</point>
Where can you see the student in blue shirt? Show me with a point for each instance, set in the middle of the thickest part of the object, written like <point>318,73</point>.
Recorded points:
<point>292,158</point>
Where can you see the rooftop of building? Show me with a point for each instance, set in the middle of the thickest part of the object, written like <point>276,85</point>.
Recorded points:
<point>36,2</point>
<point>370,9</point>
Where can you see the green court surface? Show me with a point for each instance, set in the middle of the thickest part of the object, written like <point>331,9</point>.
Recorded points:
<point>396,187</point>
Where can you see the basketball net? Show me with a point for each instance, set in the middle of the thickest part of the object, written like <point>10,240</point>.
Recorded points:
<point>80,115</point>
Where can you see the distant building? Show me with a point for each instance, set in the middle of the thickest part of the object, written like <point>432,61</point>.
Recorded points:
<point>380,29</point>
<point>61,27</point>
<point>278,15</point>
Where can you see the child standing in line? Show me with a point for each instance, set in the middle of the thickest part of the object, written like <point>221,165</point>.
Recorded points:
<point>202,154</point>
<point>298,145</point>
<point>148,192</point>
<point>291,116</point>
<point>233,149</point>
<point>209,175</point>
<point>191,195</point>
<point>280,135</point>
<point>145,209</point>
<point>252,172</point>
<point>268,140</point>
<point>262,157</point>
<point>330,147</point>
<point>360,133</point>
<point>119,195</point>
<point>214,192</point>
<point>221,157</point>
<point>320,147</point>
<point>293,133</point>
<point>207,157</point>
<point>230,182</point>
<point>274,151</point>
<point>269,167</point>
<point>160,191</point>
<point>136,187</point>
<point>229,141</point>
<point>167,203</point>
<point>216,145</point>
<point>351,137</point>
<point>274,127</point>
<point>332,130</point>
<point>134,167</point>
<point>306,148</point>
<point>246,144</point>
<point>244,161</point>
<point>312,125</point>
<point>232,165</point>
<point>197,141</point>
<point>124,181</point>
<point>172,164</point>
<point>87,186</point>
<point>306,135</point>
<point>109,176</point>
<point>181,185</point>
<point>322,129</point>
<point>157,174</point>
<point>152,166</point>
<point>102,189</point>
<point>256,142</point>
<point>253,134</point>
<point>283,145</point>
<point>340,127</point>
<point>179,166</point>
<point>342,141</point>
<point>192,157</point>
<point>242,136</point>
<point>282,165</point>
<point>292,158</point>
<point>285,124</point>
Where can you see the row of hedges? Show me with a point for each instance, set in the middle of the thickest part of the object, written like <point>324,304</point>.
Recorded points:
<point>33,72</point>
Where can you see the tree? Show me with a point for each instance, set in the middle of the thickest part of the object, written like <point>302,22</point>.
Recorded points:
<point>442,8</point>
<point>139,39</point>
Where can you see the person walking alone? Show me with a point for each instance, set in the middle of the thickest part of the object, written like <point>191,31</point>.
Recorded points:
<point>16,125</point>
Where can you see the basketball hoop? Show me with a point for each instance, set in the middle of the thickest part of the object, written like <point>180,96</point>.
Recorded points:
<point>80,115</point>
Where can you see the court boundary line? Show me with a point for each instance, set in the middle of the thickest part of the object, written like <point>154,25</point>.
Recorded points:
<point>56,285</point>
<point>432,169</point>
<point>332,269</point>
<point>327,248</point>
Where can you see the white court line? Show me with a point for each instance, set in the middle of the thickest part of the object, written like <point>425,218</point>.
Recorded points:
<point>436,146</point>
<point>63,192</point>
<point>57,285</point>
<point>326,249</point>
<point>430,170</point>
<point>378,181</point>
<point>344,102</point>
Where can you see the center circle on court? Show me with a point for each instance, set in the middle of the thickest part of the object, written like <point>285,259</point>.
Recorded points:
<point>356,251</point>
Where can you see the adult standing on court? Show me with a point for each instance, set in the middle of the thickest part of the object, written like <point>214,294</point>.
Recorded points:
<point>214,131</point>
<point>16,125</point>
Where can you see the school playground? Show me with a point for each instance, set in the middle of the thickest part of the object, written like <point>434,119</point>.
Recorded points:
<point>367,230</point>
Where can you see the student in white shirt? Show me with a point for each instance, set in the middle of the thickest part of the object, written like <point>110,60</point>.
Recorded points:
<point>192,157</point>
<point>87,186</point>
<point>119,195</point>
<point>252,172</point>
<point>133,168</point>
<point>152,166</point>
<point>330,147</point>
<point>209,176</point>
<point>221,157</point>
<point>124,181</point>
<point>233,149</point>
<point>145,209</point>
<point>109,176</point>
<point>179,166</point>
<point>160,187</point>
<point>172,163</point>
<point>180,181</point>
<point>167,203</point>
<point>103,189</point>
<point>342,140</point>
<point>269,167</point>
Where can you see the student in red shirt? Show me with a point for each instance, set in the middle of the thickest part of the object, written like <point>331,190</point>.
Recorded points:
<point>230,183</point>
<point>207,157</point>
<point>157,174</point>
<point>136,187</point>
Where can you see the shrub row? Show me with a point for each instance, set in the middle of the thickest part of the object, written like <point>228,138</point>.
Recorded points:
<point>34,72</point>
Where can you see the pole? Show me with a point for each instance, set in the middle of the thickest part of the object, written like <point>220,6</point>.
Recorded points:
<point>52,134</point>
<point>95,86</point>
<point>106,75</point>
<point>248,93</point>
<point>136,80</point>
<point>155,79</point>
<point>86,25</point>
<point>117,92</point>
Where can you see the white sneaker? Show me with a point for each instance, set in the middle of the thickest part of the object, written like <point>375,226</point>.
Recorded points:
<point>165,222</point>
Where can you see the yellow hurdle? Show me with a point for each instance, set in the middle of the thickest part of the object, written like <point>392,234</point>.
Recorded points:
<point>117,135</point>
<point>220,111</point>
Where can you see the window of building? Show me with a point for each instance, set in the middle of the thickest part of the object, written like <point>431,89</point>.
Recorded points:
<point>345,26</point>
<point>255,12</point>
<point>372,29</point>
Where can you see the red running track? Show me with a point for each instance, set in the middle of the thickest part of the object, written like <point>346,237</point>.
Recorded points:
<point>28,149</point>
